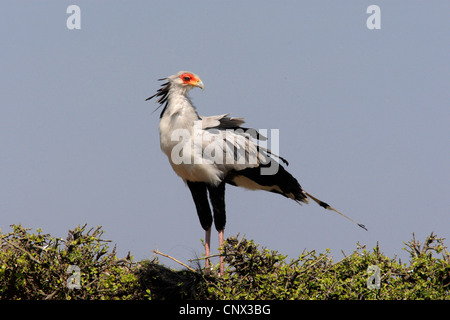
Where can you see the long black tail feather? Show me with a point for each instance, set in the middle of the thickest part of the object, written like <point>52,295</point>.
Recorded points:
<point>328,207</point>
<point>282,182</point>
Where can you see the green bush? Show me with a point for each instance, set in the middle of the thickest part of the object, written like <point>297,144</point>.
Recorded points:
<point>38,266</point>
<point>35,266</point>
<point>264,274</point>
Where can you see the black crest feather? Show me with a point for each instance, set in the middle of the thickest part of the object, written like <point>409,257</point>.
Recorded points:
<point>163,94</point>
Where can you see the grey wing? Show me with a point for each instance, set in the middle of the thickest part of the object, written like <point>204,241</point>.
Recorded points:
<point>221,122</point>
<point>238,140</point>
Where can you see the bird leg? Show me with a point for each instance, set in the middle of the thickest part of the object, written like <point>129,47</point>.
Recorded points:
<point>217,197</point>
<point>207,249</point>
<point>221,248</point>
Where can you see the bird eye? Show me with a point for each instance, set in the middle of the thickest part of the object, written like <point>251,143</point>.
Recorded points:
<point>187,78</point>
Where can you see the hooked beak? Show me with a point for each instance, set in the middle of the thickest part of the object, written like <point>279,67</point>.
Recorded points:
<point>199,84</point>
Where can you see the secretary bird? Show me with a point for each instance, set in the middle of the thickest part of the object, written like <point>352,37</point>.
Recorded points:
<point>208,152</point>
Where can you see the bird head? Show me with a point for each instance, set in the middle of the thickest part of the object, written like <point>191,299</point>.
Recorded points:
<point>186,79</point>
<point>180,82</point>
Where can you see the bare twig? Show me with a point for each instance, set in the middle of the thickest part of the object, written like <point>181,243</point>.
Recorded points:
<point>177,261</point>
<point>204,258</point>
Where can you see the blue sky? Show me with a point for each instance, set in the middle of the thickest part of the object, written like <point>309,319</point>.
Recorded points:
<point>363,119</point>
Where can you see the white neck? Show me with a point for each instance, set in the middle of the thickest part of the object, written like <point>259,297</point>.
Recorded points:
<point>179,107</point>
<point>179,114</point>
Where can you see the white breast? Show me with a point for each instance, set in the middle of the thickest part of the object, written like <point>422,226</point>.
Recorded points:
<point>177,141</point>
